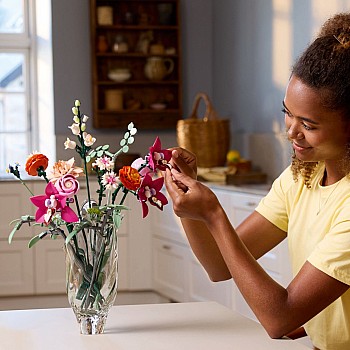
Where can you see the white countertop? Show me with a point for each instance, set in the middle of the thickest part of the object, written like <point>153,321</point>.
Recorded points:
<point>174,326</point>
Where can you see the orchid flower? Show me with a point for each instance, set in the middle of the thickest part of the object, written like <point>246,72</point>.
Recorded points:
<point>50,203</point>
<point>159,158</point>
<point>150,191</point>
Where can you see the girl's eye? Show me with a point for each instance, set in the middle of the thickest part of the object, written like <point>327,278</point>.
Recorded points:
<point>307,127</point>
<point>283,110</point>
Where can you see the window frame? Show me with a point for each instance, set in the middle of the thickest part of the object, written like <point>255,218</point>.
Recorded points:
<point>25,43</point>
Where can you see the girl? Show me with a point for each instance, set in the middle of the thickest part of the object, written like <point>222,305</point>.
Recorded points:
<point>309,204</point>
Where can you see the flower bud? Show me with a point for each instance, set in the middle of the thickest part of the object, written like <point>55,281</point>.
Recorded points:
<point>75,110</point>
<point>77,103</point>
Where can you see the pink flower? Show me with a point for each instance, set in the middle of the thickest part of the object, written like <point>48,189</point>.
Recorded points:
<point>158,157</point>
<point>150,191</point>
<point>50,203</point>
<point>140,165</point>
<point>67,185</point>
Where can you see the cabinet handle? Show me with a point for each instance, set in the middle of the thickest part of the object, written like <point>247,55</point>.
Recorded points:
<point>166,247</point>
<point>251,204</point>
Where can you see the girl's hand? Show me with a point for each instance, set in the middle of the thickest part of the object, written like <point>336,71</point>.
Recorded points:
<point>184,161</point>
<point>191,199</point>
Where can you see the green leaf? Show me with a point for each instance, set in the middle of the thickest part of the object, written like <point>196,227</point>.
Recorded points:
<point>77,229</point>
<point>16,228</point>
<point>126,135</point>
<point>126,149</point>
<point>105,147</point>
<point>88,158</point>
<point>98,148</point>
<point>117,219</point>
<point>122,142</point>
<point>33,241</point>
<point>99,153</point>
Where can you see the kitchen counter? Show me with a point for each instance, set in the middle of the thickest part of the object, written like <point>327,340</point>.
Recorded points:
<point>173,326</point>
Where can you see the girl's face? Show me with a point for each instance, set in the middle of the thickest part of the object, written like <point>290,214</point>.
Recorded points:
<point>317,133</point>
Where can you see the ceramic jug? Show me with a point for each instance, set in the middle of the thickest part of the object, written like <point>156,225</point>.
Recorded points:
<point>157,68</point>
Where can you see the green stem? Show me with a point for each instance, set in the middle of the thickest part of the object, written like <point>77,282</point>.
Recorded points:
<point>25,185</point>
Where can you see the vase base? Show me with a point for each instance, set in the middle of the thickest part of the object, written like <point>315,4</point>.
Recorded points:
<point>92,324</point>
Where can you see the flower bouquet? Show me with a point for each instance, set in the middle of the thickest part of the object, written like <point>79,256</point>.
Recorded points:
<point>90,229</point>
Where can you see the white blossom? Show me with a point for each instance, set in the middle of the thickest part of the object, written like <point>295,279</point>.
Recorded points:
<point>69,144</point>
<point>88,139</point>
<point>75,128</point>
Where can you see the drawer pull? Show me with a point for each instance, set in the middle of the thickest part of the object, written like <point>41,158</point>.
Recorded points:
<point>166,247</point>
<point>251,204</point>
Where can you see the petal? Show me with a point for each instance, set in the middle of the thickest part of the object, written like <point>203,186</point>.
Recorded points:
<point>38,201</point>
<point>144,209</point>
<point>68,215</point>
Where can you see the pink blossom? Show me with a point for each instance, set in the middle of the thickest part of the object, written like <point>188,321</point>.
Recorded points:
<point>140,165</point>
<point>67,185</point>
<point>150,191</point>
<point>158,157</point>
<point>50,203</point>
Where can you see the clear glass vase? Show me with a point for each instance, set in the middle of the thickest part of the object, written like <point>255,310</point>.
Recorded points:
<point>92,275</point>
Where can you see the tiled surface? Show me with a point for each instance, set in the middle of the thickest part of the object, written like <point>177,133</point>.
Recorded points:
<point>57,301</point>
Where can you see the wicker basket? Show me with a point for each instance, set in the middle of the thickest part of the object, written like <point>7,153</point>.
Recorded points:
<point>208,138</point>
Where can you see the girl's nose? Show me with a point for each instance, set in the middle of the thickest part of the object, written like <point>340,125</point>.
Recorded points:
<point>294,133</point>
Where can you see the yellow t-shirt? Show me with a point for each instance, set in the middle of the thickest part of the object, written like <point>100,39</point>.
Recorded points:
<point>317,222</point>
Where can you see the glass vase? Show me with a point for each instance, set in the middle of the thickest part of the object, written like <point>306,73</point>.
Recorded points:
<point>92,275</point>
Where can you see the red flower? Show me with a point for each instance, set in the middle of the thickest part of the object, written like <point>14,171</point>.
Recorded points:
<point>130,178</point>
<point>158,157</point>
<point>35,162</point>
<point>150,191</point>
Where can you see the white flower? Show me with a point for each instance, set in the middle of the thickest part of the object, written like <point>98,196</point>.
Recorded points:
<point>110,180</point>
<point>104,163</point>
<point>85,118</point>
<point>88,139</point>
<point>75,110</point>
<point>75,128</point>
<point>69,144</point>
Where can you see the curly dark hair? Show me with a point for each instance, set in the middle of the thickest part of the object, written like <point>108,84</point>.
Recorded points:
<point>325,66</point>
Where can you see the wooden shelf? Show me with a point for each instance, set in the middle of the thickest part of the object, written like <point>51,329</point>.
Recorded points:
<point>131,20</point>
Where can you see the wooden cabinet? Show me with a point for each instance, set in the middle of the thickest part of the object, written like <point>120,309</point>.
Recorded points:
<point>136,63</point>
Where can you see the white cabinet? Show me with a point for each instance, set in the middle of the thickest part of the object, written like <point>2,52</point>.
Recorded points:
<point>41,269</point>
<point>176,271</point>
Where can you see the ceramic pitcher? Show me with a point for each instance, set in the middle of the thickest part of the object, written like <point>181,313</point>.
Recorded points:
<point>157,68</point>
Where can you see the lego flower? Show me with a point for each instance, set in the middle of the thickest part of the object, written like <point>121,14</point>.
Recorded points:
<point>67,185</point>
<point>50,203</point>
<point>88,139</point>
<point>158,157</point>
<point>110,180</point>
<point>35,162</point>
<point>75,128</point>
<point>150,192</point>
<point>69,144</point>
<point>104,163</point>
<point>62,167</point>
<point>130,177</point>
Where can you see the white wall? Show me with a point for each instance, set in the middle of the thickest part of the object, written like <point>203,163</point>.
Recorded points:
<point>238,51</point>
<point>255,44</point>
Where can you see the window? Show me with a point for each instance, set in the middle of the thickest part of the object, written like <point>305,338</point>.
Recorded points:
<point>15,99</point>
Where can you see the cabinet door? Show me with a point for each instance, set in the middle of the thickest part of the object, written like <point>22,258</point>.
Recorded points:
<point>201,288</point>
<point>16,268</point>
<point>50,266</point>
<point>15,203</point>
<point>170,276</point>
